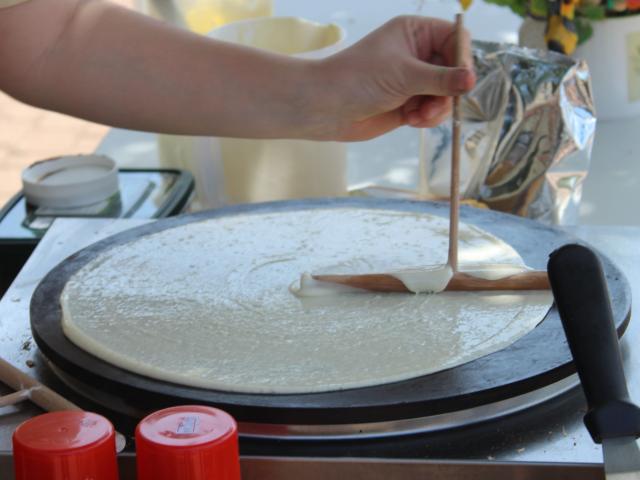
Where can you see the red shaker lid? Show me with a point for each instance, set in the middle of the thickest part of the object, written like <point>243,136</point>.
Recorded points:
<point>188,442</point>
<point>65,445</point>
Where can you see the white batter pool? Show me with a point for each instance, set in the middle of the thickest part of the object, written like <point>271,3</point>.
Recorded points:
<point>208,304</point>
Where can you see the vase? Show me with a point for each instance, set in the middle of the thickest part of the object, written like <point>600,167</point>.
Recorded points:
<point>531,33</point>
<point>613,56</point>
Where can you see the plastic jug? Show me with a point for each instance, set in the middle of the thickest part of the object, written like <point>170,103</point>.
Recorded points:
<point>232,170</point>
<point>201,16</point>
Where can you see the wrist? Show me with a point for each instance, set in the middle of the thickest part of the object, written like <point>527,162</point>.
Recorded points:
<point>317,105</point>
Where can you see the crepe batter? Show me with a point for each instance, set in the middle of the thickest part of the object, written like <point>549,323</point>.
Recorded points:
<point>209,304</point>
<point>430,279</point>
<point>435,279</point>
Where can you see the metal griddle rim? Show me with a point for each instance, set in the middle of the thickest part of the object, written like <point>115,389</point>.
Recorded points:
<point>487,380</point>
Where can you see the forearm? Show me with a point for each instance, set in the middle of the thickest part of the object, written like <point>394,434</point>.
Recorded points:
<point>114,66</point>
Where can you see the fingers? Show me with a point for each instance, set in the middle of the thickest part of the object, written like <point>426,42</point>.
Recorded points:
<point>436,107</point>
<point>373,127</point>
<point>434,71</point>
<point>428,79</point>
<point>432,121</point>
<point>436,37</point>
<point>417,112</point>
<point>429,113</point>
<point>405,72</point>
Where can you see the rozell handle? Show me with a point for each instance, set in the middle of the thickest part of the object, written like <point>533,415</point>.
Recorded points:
<point>581,295</point>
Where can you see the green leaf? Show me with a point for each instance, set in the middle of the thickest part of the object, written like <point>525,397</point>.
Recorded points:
<point>502,3</point>
<point>593,12</point>
<point>539,8</point>
<point>584,29</point>
<point>517,6</point>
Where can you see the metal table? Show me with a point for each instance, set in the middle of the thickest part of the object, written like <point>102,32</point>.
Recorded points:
<point>564,440</point>
<point>610,198</point>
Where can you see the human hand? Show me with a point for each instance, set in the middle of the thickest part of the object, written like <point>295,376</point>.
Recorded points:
<point>146,75</point>
<point>401,74</point>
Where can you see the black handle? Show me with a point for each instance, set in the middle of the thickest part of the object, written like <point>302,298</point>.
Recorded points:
<point>582,299</point>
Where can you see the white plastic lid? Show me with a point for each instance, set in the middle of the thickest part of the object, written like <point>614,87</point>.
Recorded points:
<point>70,181</point>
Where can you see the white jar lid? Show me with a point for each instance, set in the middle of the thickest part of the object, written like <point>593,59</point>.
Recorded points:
<point>70,181</point>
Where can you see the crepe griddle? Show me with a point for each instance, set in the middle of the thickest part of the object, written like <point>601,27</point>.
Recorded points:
<point>535,361</point>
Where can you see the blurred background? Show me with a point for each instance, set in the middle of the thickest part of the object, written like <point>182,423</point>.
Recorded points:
<point>29,134</point>
<point>608,33</point>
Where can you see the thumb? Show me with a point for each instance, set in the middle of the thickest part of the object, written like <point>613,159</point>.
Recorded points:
<point>429,79</point>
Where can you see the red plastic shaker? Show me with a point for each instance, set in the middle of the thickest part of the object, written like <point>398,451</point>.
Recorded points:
<point>67,445</point>
<point>188,443</point>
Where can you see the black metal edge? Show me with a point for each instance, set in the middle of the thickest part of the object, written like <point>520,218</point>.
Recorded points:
<point>183,186</point>
<point>289,468</point>
<point>10,204</point>
<point>20,242</point>
<point>6,208</point>
<point>347,406</point>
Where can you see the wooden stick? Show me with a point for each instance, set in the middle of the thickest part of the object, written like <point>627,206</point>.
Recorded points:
<point>15,397</point>
<point>42,396</point>
<point>423,184</point>
<point>384,282</point>
<point>454,197</point>
<point>39,394</point>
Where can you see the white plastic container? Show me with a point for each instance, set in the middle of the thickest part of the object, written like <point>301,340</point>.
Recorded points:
<point>70,181</point>
<point>613,56</point>
<point>263,170</point>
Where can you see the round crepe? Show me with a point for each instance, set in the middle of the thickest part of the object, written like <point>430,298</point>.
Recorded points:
<point>208,304</point>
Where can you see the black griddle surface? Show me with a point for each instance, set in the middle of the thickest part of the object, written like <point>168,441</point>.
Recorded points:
<point>536,360</point>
